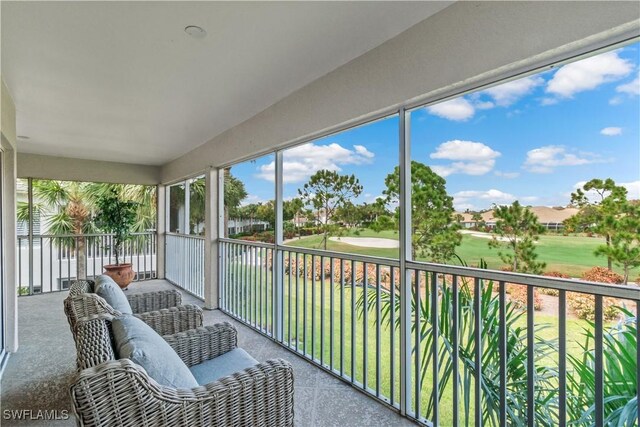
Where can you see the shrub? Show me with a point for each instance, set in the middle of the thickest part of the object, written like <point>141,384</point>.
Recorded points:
<point>518,296</point>
<point>584,306</point>
<point>602,275</point>
<point>337,272</point>
<point>265,236</point>
<point>360,275</point>
<point>549,291</point>
<point>309,231</point>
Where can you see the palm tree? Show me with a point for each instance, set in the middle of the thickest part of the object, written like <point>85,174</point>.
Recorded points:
<point>234,194</point>
<point>67,208</point>
<point>197,202</point>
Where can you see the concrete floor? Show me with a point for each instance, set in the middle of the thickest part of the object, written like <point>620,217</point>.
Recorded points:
<point>37,377</point>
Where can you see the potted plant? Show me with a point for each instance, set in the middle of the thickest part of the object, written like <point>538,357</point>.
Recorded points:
<point>117,216</point>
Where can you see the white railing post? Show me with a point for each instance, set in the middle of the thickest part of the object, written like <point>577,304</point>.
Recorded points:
<point>211,227</point>
<point>30,224</point>
<point>222,232</point>
<point>161,228</point>
<point>405,255</point>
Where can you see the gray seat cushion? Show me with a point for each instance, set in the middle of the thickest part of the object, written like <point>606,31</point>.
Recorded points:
<point>135,340</point>
<point>227,364</point>
<point>113,295</point>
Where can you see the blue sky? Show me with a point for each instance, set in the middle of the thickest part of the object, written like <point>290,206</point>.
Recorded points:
<point>533,139</point>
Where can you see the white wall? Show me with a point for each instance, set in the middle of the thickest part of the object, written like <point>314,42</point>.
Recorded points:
<point>64,168</point>
<point>464,45</point>
<point>8,144</point>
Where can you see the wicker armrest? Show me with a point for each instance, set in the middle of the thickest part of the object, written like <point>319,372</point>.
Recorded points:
<point>173,320</point>
<point>152,301</point>
<point>86,305</point>
<point>93,340</point>
<point>120,392</point>
<point>204,343</point>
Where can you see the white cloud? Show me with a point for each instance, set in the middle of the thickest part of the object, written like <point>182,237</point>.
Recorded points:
<point>611,131</point>
<point>507,175</point>
<point>529,199</point>
<point>616,100</point>
<point>545,159</point>
<point>507,94</point>
<point>362,150</point>
<point>548,101</point>
<point>475,199</point>
<point>251,199</point>
<point>458,109</point>
<point>484,105</point>
<point>633,190</point>
<point>301,162</point>
<point>464,150</point>
<point>471,158</point>
<point>461,207</point>
<point>631,88</point>
<point>472,199</point>
<point>588,74</point>
<point>493,194</point>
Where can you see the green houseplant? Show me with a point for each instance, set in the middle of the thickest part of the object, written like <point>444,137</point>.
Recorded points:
<point>117,216</point>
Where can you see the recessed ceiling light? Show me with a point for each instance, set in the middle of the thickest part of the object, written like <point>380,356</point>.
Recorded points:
<point>195,31</point>
<point>23,137</point>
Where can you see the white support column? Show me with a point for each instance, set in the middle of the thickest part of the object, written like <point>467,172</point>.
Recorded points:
<point>161,229</point>
<point>405,255</point>
<point>211,229</point>
<point>277,264</point>
<point>185,229</point>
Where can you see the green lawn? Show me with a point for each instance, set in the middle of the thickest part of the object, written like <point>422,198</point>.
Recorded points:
<point>571,255</point>
<point>315,339</point>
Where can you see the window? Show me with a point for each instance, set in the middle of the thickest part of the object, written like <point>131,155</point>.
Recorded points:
<point>535,141</point>
<point>176,208</point>
<point>196,205</point>
<point>249,196</point>
<point>335,192</point>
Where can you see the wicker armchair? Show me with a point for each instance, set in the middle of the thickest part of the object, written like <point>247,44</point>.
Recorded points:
<point>162,310</point>
<point>109,392</point>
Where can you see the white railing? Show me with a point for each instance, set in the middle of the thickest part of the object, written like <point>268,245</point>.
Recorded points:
<point>184,262</point>
<point>49,263</point>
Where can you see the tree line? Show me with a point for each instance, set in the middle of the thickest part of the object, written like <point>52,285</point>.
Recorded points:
<point>327,200</point>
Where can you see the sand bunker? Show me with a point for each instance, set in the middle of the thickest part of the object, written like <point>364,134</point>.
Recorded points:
<point>368,242</point>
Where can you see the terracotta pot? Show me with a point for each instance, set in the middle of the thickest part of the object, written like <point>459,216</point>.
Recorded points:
<point>122,274</point>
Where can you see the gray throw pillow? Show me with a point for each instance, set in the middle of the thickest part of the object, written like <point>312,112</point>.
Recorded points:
<point>112,294</point>
<point>135,340</point>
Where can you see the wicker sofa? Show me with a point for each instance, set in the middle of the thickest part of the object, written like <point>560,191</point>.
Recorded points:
<point>112,392</point>
<point>162,310</point>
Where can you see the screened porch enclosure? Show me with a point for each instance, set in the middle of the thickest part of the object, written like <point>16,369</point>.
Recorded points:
<point>430,210</point>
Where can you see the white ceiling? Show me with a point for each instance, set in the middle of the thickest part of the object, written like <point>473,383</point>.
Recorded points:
<point>121,81</point>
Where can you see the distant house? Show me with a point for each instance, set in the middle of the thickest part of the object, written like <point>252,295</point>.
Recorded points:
<point>301,219</point>
<point>241,225</point>
<point>465,219</point>
<point>551,218</point>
